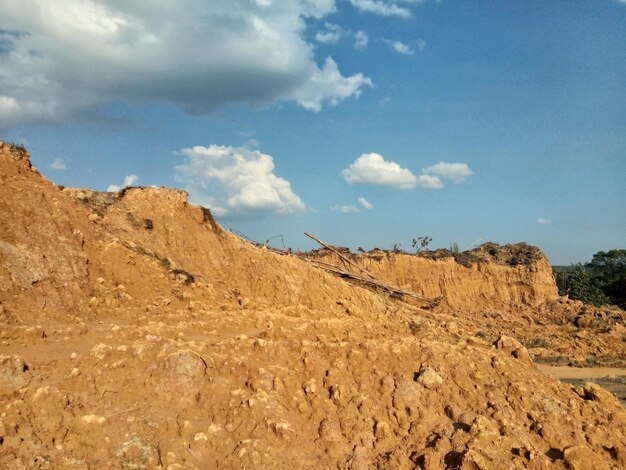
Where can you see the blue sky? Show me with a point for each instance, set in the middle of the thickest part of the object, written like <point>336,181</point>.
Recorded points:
<point>467,121</point>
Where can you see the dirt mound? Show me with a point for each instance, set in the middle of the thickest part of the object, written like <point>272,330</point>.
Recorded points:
<point>139,334</point>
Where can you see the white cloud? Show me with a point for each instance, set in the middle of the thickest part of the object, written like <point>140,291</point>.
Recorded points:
<point>405,48</point>
<point>347,209</point>
<point>361,39</point>
<point>365,203</point>
<point>236,182</point>
<point>129,180</point>
<point>58,164</point>
<point>542,221</point>
<point>429,182</point>
<point>456,172</point>
<point>379,7</point>
<point>328,37</point>
<point>401,48</point>
<point>72,57</point>
<point>327,85</point>
<point>331,35</point>
<point>372,168</point>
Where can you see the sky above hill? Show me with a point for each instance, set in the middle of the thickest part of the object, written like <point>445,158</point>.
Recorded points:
<point>366,122</point>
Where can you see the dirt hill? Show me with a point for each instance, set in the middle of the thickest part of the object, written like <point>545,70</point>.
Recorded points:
<point>137,333</point>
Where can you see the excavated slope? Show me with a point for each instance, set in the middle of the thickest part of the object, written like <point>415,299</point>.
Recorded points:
<point>139,334</point>
<point>494,290</point>
<point>468,286</point>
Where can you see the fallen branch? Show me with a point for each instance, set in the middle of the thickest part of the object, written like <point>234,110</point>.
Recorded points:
<point>371,280</point>
<point>272,249</point>
<point>338,253</point>
<point>394,290</point>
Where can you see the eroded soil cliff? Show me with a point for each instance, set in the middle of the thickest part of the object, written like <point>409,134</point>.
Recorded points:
<point>136,333</point>
<point>494,290</point>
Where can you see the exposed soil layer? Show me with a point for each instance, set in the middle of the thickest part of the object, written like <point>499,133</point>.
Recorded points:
<point>489,298</point>
<point>136,333</point>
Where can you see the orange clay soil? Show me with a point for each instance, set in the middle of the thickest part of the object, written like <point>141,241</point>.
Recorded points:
<point>494,290</point>
<point>136,333</point>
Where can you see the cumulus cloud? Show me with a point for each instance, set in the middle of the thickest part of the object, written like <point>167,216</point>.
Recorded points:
<point>456,172</point>
<point>405,48</point>
<point>382,8</point>
<point>401,48</point>
<point>129,180</point>
<point>330,36</point>
<point>327,85</point>
<point>346,209</point>
<point>365,203</point>
<point>236,182</point>
<point>63,59</point>
<point>372,168</point>
<point>361,39</point>
<point>429,182</point>
<point>542,221</point>
<point>58,164</point>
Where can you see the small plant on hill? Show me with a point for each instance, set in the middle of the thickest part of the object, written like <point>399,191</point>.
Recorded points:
<point>16,146</point>
<point>421,243</point>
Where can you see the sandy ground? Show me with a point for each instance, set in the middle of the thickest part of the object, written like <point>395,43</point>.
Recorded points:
<point>582,372</point>
<point>611,379</point>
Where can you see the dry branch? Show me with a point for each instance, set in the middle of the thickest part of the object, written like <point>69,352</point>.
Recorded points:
<point>338,253</point>
<point>394,290</point>
<point>372,280</point>
<point>272,249</point>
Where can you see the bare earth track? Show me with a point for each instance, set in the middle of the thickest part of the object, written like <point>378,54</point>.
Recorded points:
<point>136,333</point>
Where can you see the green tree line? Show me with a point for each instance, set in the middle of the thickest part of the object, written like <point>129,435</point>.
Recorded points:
<point>601,281</point>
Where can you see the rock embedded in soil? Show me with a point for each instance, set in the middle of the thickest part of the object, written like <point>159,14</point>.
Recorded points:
<point>429,378</point>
